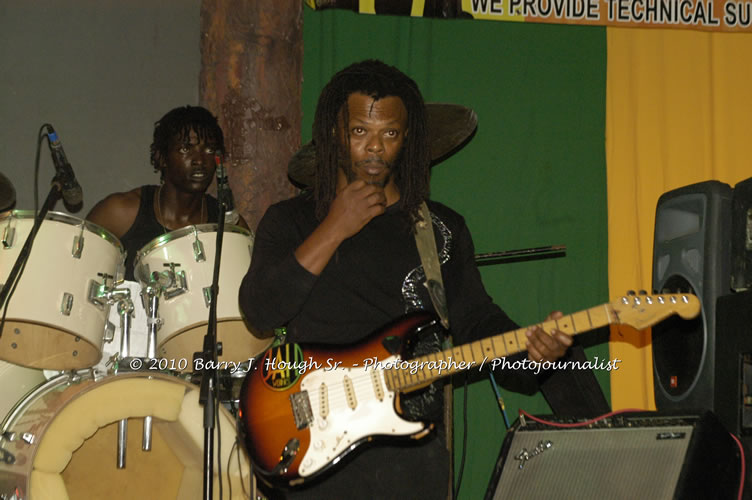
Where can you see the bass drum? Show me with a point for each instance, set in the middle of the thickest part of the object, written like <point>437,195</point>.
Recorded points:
<point>56,319</point>
<point>183,260</point>
<point>64,442</point>
<point>15,382</point>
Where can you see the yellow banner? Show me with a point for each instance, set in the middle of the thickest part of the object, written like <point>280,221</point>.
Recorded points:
<point>707,15</point>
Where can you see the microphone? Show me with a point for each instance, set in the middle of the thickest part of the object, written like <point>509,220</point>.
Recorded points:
<point>72,195</point>
<point>224,193</point>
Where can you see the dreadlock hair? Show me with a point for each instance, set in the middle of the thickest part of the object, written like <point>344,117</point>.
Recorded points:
<point>377,80</point>
<point>180,122</point>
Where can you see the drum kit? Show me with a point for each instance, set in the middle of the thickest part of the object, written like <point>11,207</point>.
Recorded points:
<point>83,353</point>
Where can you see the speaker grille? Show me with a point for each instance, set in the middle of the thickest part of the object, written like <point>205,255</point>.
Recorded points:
<point>593,464</point>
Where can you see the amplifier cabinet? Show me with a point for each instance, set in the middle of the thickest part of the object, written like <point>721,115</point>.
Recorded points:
<point>643,455</point>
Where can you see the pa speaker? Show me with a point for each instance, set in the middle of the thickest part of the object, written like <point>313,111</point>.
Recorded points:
<point>691,252</point>
<point>741,237</point>
<point>733,379</point>
<point>645,455</point>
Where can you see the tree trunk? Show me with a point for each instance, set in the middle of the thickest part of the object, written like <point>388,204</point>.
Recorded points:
<point>251,77</point>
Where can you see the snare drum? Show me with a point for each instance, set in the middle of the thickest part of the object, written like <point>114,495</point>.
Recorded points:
<point>65,442</point>
<point>55,319</point>
<point>185,259</point>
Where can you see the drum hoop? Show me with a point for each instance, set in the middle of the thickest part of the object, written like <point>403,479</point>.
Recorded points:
<point>166,238</point>
<point>78,379</point>
<point>72,221</point>
<point>33,395</point>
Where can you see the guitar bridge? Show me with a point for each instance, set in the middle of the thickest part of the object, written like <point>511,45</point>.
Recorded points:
<point>301,409</point>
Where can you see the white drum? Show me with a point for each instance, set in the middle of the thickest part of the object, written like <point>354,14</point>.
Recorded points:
<point>55,319</point>
<point>65,442</point>
<point>184,260</point>
<point>15,382</point>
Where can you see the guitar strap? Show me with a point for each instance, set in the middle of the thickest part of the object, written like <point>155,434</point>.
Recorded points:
<point>429,258</point>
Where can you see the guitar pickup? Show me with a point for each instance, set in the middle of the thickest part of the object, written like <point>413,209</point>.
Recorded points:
<point>301,410</point>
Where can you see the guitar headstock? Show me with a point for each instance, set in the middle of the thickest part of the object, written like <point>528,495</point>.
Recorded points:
<point>642,311</point>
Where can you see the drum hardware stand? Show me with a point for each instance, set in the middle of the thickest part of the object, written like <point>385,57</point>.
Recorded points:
<point>125,311</point>
<point>105,293</point>
<point>150,297</point>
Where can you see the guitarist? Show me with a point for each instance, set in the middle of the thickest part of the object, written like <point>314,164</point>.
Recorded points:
<point>336,263</point>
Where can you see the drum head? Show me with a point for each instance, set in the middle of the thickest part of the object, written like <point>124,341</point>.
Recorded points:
<point>74,453</point>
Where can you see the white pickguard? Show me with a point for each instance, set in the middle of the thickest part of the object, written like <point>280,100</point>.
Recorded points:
<point>347,408</point>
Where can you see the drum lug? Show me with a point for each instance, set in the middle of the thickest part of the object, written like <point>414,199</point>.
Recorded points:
<point>26,437</point>
<point>109,331</point>
<point>198,250</point>
<point>67,305</point>
<point>7,457</point>
<point>78,245</point>
<point>9,235</point>
<point>207,296</point>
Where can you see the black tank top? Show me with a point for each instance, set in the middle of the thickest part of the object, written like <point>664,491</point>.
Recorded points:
<point>146,227</point>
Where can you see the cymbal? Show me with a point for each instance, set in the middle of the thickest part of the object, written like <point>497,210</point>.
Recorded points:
<point>450,127</point>
<point>7,193</point>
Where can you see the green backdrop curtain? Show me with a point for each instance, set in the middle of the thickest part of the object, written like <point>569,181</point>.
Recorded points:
<point>533,175</point>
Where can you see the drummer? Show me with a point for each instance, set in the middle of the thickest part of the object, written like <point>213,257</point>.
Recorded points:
<point>186,141</point>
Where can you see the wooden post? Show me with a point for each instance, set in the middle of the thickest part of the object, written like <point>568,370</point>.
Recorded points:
<point>251,78</point>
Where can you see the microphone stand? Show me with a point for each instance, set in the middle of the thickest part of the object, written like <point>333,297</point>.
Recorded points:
<point>208,390</point>
<point>23,256</point>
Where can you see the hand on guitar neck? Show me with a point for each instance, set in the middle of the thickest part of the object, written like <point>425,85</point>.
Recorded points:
<point>542,346</point>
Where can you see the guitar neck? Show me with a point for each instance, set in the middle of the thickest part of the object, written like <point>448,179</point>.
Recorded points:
<point>421,371</point>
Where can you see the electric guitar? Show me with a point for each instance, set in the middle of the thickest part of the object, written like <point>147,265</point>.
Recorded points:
<point>303,408</point>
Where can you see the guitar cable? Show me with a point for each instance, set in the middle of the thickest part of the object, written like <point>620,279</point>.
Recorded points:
<point>464,439</point>
<point>499,399</point>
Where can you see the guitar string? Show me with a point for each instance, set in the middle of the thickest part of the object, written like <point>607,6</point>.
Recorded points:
<point>363,385</point>
<point>337,398</point>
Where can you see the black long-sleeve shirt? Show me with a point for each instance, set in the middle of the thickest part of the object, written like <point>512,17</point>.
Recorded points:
<point>374,277</point>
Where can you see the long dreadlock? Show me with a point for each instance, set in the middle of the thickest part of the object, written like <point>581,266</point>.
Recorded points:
<point>377,80</point>
<point>180,122</point>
